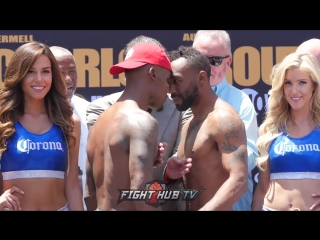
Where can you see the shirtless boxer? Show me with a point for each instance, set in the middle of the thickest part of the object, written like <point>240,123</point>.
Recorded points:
<point>122,145</point>
<point>169,130</point>
<point>214,138</point>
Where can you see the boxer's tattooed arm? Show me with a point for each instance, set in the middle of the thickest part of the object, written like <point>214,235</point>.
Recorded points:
<point>231,139</point>
<point>239,156</point>
<point>143,143</point>
<point>229,128</point>
<point>143,153</point>
<point>231,143</point>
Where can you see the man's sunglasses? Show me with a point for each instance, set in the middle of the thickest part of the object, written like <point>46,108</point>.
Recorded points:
<point>216,60</point>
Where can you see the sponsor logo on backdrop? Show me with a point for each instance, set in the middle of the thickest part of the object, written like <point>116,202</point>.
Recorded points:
<point>259,100</point>
<point>16,38</point>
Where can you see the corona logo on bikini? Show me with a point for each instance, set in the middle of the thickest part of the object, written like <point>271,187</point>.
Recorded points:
<point>25,145</point>
<point>282,147</point>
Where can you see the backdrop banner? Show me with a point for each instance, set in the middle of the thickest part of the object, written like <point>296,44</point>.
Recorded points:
<point>254,53</point>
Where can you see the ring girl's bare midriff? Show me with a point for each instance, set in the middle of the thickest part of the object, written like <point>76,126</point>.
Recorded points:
<point>39,193</point>
<point>284,195</point>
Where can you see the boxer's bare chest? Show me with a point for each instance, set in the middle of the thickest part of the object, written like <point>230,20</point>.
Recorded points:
<point>195,139</point>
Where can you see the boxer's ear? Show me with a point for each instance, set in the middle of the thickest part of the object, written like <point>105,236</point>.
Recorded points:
<point>152,73</point>
<point>203,77</point>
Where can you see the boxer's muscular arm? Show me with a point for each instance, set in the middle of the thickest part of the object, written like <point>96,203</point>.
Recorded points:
<point>90,186</point>
<point>90,189</point>
<point>228,132</point>
<point>143,152</point>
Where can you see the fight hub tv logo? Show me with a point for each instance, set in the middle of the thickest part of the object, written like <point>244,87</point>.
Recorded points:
<point>156,193</point>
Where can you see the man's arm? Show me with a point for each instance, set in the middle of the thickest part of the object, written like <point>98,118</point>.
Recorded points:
<point>143,153</point>
<point>184,117</point>
<point>248,115</point>
<point>90,197</point>
<point>228,132</point>
<point>181,165</point>
<point>94,110</point>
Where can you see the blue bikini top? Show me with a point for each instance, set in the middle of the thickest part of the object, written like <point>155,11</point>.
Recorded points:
<point>30,155</point>
<point>295,158</point>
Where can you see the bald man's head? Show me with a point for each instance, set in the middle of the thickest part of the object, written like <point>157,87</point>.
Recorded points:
<point>60,51</point>
<point>67,65</point>
<point>311,46</point>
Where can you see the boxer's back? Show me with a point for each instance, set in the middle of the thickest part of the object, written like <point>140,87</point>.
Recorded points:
<point>108,150</point>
